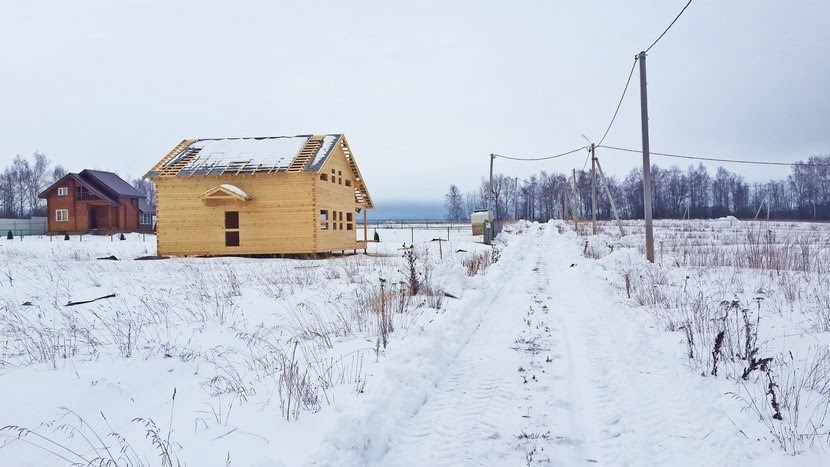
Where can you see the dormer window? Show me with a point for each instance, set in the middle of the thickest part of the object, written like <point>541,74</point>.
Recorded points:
<point>63,191</point>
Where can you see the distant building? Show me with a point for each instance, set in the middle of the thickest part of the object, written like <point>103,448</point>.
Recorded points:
<point>269,195</point>
<point>95,201</point>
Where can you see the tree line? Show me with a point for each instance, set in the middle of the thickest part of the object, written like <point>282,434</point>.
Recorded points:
<point>676,194</point>
<point>24,178</point>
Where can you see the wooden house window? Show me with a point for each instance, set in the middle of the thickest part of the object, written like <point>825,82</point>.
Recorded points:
<point>324,219</point>
<point>349,216</point>
<point>63,191</point>
<point>232,238</point>
<point>146,219</point>
<point>231,228</point>
<point>61,215</point>
<point>339,180</point>
<point>348,182</point>
<point>324,177</point>
<point>231,219</point>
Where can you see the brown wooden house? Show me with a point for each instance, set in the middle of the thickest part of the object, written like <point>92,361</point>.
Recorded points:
<point>95,201</point>
<point>269,195</point>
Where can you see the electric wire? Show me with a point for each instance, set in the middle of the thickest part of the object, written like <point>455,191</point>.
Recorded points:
<point>670,25</point>
<point>719,159</point>
<point>540,158</point>
<point>619,104</point>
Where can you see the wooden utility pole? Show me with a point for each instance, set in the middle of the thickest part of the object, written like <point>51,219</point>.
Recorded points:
<point>646,162</point>
<point>575,205</point>
<point>516,198</point>
<point>487,201</point>
<point>593,190</point>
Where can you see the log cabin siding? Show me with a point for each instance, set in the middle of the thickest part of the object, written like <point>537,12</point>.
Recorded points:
<point>89,213</point>
<point>278,198</point>
<point>55,202</point>
<point>336,196</point>
<point>280,217</point>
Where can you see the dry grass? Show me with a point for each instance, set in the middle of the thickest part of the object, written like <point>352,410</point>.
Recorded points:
<point>732,288</point>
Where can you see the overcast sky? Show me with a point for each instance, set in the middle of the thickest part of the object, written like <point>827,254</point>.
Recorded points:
<point>423,90</point>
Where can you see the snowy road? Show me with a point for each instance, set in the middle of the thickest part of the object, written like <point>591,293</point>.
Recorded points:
<point>551,371</point>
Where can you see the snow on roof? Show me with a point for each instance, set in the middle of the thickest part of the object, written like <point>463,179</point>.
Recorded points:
<point>235,190</point>
<point>214,156</point>
<point>325,149</point>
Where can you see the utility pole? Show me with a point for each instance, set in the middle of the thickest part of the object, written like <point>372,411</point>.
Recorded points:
<point>575,205</point>
<point>488,236</point>
<point>593,190</point>
<point>487,201</point>
<point>516,198</point>
<point>646,162</point>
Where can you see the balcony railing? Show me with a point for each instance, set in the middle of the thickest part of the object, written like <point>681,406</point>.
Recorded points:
<point>86,196</point>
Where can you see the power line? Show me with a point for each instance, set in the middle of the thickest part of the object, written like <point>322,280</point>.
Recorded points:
<point>670,25</point>
<point>540,158</point>
<point>719,159</point>
<point>616,111</point>
<point>630,74</point>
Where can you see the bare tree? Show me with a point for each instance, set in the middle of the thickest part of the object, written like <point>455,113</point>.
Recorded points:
<point>20,184</point>
<point>804,194</point>
<point>147,188</point>
<point>58,172</point>
<point>454,203</point>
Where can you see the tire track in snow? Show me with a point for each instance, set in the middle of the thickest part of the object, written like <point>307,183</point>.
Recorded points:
<point>473,416</point>
<point>539,368</point>
<point>628,401</point>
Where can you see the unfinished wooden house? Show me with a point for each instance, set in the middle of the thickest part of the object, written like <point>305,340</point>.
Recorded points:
<point>269,195</point>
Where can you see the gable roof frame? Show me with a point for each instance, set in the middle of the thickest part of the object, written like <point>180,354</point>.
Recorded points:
<point>361,194</point>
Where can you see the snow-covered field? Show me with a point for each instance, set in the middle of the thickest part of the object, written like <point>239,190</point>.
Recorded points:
<point>552,348</point>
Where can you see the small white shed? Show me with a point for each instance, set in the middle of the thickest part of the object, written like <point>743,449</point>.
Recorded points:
<point>477,219</point>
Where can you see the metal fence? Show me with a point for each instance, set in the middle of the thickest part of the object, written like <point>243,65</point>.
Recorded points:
<point>423,224</point>
<point>18,227</point>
